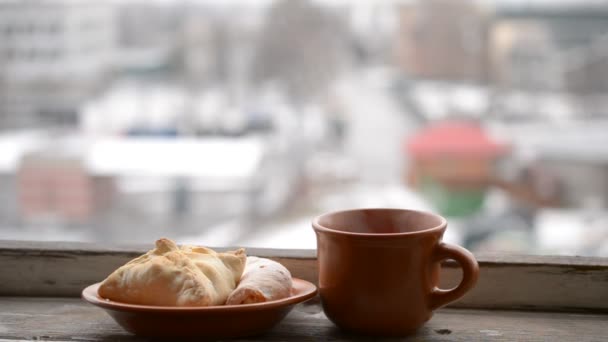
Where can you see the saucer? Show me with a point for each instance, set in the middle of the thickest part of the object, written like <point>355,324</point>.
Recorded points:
<point>221,321</point>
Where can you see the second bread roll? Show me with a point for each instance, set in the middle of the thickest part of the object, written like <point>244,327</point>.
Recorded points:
<point>263,280</point>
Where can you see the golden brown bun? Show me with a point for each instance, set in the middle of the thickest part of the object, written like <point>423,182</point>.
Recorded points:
<point>176,276</point>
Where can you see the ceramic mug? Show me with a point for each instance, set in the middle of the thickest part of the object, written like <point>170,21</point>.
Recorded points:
<point>379,269</point>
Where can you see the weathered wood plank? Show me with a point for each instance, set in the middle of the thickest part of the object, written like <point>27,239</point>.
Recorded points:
<point>71,319</point>
<point>33,247</point>
<point>96,248</point>
<point>54,271</point>
<point>506,281</point>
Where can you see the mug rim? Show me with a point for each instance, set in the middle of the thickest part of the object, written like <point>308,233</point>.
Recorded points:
<point>320,228</point>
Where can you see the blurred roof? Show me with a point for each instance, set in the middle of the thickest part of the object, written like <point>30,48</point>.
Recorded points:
<point>454,138</point>
<point>210,159</point>
<point>14,145</point>
<point>214,158</point>
<point>582,140</point>
<point>438,100</point>
<point>548,8</point>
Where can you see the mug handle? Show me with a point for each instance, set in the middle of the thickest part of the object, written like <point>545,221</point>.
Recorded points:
<point>470,273</point>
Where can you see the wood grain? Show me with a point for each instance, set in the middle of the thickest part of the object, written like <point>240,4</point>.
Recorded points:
<point>506,281</point>
<point>70,319</point>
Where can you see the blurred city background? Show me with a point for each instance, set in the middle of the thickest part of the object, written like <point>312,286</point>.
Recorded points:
<point>232,123</point>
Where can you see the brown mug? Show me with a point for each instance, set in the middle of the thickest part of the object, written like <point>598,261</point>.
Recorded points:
<point>379,269</point>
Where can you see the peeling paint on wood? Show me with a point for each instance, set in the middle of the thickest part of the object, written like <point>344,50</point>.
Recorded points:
<point>506,281</point>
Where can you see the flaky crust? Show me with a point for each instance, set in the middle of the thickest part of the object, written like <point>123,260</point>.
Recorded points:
<point>176,276</point>
<point>263,280</point>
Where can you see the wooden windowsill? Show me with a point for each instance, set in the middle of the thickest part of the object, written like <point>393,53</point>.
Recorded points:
<point>531,298</point>
<point>70,319</point>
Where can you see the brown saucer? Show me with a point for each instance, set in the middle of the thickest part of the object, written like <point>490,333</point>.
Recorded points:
<point>224,321</point>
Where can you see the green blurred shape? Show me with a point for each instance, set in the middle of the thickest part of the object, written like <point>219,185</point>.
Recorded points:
<point>452,202</point>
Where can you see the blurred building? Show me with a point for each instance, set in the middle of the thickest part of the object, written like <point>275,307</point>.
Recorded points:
<point>161,109</point>
<point>136,108</point>
<point>578,157</point>
<point>53,54</point>
<point>202,49</point>
<point>586,76</point>
<point>450,161</point>
<point>573,23</point>
<point>146,34</point>
<point>301,48</point>
<point>373,26</point>
<point>549,45</point>
<point>524,56</point>
<point>60,188</point>
<point>217,47</point>
<point>586,70</point>
<point>13,146</point>
<point>443,39</point>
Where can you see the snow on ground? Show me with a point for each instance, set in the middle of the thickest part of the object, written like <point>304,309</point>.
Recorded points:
<point>45,233</point>
<point>297,233</point>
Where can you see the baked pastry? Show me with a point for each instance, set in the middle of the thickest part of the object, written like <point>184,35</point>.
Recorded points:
<point>176,276</point>
<point>263,280</point>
